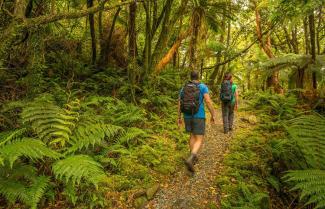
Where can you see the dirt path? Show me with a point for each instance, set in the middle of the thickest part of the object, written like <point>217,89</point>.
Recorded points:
<point>199,191</point>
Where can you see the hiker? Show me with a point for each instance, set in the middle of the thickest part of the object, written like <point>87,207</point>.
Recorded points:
<point>229,102</point>
<point>191,102</point>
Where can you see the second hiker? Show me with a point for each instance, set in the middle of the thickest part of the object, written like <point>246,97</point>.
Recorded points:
<point>191,102</point>
<point>229,102</point>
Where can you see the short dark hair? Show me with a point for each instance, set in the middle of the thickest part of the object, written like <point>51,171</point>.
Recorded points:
<point>194,75</point>
<point>227,76</point>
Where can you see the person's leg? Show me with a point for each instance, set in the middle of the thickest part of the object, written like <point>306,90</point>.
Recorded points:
<point>197,144</point>
<point>197,137</point>
<point>225,113</point>
<point>231,116</point>
<point>191,142</point>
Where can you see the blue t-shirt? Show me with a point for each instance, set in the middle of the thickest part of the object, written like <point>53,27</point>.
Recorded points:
<point>201,112</point>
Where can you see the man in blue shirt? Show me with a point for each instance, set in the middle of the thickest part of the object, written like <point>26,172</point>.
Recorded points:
<point>195,124</point>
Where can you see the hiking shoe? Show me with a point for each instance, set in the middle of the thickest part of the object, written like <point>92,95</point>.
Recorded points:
<point>189,165</point>
<point>195,160</point>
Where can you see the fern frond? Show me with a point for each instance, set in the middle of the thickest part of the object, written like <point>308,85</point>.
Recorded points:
<point>27,147</point>
<point>10,135</point>
<point>12,190</point>
<point>75,168</point>
<point>91,132</point>
<point>131,134</point>
<point>124,114</point>
<point>311,183</point>
<point>22,184</point>
<point>37,190</point>
<point>309,134</point>
<point>51,123</point>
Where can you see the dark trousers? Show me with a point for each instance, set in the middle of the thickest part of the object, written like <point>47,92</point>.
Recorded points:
<point>227,116</point>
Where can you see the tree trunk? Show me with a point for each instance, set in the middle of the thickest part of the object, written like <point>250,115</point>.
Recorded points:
<point>271,81</point>
<point>201,68</point>
<point>300,78</point>
<point>90,4</point>
<point>306,34</point>
<point>105,44</point>
<point>295,43</point>
<point>288,40</point>
<point>169,55</point>
<point>148,38</point>
<point>216,70</point>
<point>319,30</point>
<point>100,24</point>
<point>311,19</point>
<point>163,36</point>
<point>248,77</point>
<point>132,47</point>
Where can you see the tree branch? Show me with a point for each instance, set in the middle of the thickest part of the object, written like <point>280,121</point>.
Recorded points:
<point>45,19</point>
<point>232,58</point>
<point>241,52</point>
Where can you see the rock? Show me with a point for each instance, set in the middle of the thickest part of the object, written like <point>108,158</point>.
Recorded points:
<point>152,191</point>
<point>140,202</point>
<point>252,119</point>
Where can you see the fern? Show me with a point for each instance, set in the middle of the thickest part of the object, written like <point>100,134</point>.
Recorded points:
<point>75,168</point>
<point>309,134</point>
<point>27,147</point>
<point>37,190</point>
<point>91,132</point>
<point>124,114</point>
<point>22,184</point>
<point>12,190</point>
<point>51,123</point>
<point>131,134</point>
<point>6,137</point>
<point>311,183</point>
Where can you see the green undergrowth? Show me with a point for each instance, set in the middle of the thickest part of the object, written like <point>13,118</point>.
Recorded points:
<point>276,154</point>
<point>62,150</point>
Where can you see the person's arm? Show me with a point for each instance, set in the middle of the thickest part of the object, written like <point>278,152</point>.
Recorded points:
<point>209,103</point>
<point>236,99</point>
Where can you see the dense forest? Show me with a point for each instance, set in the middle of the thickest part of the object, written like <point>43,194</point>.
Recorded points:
<point>89,89</point>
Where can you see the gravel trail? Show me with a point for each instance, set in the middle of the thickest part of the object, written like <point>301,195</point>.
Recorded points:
<point>185,191</point>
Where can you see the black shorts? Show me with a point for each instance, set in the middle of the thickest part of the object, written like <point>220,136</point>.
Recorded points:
<point>195,126</point>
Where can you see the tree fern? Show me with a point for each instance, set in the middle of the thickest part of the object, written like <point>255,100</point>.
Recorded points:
<point>75,168</point>
<point>27,147</point>
<point>289,60</point>
<point>311,183</point>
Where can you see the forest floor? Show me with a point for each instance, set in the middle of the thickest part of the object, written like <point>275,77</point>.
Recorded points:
<point>199,191</point>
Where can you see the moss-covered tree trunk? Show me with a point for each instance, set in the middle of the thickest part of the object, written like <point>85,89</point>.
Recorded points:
<point>311,19</point>
<point>132,47</point>
<point>90,3</point>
